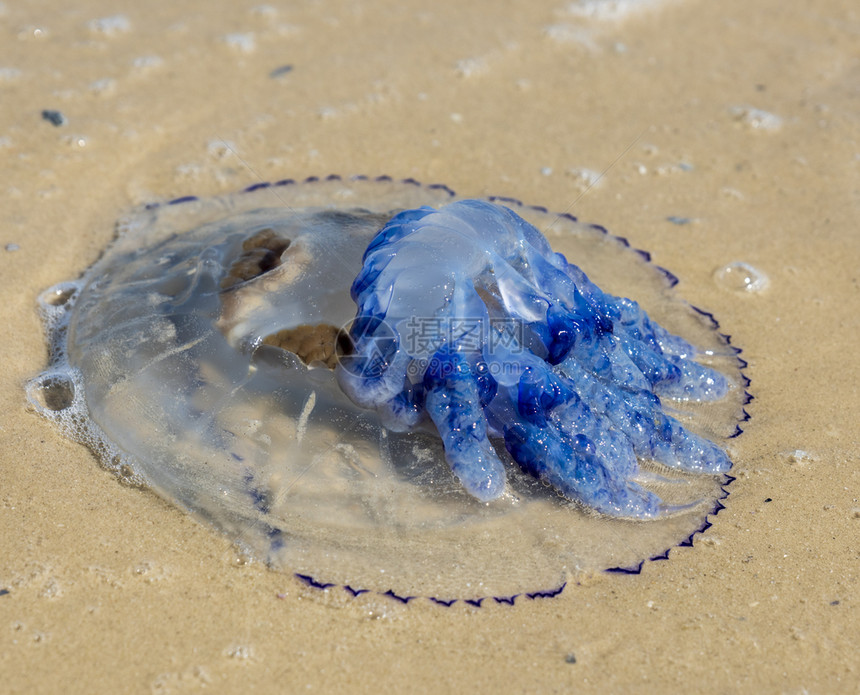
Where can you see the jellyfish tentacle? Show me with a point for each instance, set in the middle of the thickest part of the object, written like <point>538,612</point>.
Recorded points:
<point>656,353</point>
<point>651,433</point>
<point>559,438</point>
<point>453,403</point>
<point>548,398</point>
<point>405,411</point>
<point>572,467</point>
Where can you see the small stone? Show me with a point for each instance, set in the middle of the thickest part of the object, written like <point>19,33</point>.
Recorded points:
<point>55,118</point>
<point>281,71</point>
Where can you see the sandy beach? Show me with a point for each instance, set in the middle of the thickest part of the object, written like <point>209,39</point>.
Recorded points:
<point>708,133</point>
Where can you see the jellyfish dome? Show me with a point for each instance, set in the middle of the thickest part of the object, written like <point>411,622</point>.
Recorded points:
<point>380,386</point>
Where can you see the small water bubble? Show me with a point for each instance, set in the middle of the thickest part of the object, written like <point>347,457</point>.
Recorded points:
<point>55,392</point>
<point>242,653</point>
<point>470,67</point>
<point>110,26</point>
<point>799,457</point>
<point>56,296</point>
<point>742,277</point>
<point>77,142</point>
<point>32,32</point>
<point>147,62</point>
<point>583,178</point>
<point>9,74</point>
<point>103,86</point>
<point>756,119</point>
<point>220,149</point>
<point>241,43</point>
<point>265,11</point>
<point>565,33</point>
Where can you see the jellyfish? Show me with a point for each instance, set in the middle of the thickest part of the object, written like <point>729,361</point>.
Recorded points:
<point>380,386</point>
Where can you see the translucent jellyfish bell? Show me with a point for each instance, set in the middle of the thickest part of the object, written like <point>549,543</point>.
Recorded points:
<point>210,355</point>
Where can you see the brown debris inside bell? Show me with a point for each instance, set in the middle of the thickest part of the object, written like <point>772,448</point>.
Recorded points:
<point>260,254</point>
<point>317,343</point>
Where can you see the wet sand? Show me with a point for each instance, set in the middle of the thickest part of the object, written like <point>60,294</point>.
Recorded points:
<point>740,120</point>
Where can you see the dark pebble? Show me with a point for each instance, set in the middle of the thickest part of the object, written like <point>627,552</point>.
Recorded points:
<point>55,117</point>
<point>279,72</point>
